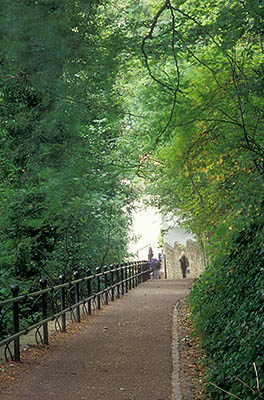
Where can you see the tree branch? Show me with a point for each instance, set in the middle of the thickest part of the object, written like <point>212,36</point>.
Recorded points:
<point>248,140</point>
<point>149,36</point>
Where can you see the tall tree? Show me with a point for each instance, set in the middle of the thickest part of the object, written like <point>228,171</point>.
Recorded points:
<point>202,119</point>
<point>64,202</point>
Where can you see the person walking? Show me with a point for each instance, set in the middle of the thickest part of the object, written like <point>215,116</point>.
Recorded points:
<point>155,266</point>
<point>184,263</point>
<point>150,254</point>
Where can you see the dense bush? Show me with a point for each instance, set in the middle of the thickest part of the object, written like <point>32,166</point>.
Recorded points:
<point>228,311</point>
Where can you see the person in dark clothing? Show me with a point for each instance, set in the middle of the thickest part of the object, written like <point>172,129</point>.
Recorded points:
<point>150,254</point>
<point>184,263</point>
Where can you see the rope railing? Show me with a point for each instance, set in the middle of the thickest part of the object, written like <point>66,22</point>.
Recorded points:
<point>53,303</point>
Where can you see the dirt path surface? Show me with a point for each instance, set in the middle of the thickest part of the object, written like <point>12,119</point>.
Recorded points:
<point>123,352</point>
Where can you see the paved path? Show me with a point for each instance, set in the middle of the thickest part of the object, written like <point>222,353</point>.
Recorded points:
<point>124,352</point>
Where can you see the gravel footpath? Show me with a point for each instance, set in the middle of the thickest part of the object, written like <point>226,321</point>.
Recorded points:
<point>123,352</point>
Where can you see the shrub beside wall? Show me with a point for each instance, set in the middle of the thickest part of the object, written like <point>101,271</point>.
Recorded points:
<point>228,311</point>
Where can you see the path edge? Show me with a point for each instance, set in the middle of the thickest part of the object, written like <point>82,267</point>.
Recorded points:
<point>176,389</point>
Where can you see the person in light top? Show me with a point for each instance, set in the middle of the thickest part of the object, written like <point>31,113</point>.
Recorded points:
<point>184,263</point>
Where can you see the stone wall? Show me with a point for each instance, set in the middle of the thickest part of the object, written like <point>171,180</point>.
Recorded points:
<point>168,251</point>
<point>193,253</point>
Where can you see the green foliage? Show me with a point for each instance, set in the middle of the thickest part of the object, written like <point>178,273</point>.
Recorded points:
<point>66,191</point>
<point>228,312</point>
<point>95,93</point>
<point>198,112</point>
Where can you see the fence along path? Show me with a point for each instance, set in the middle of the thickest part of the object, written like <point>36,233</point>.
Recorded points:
<point>123,352</point>
<point>51,307</point>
